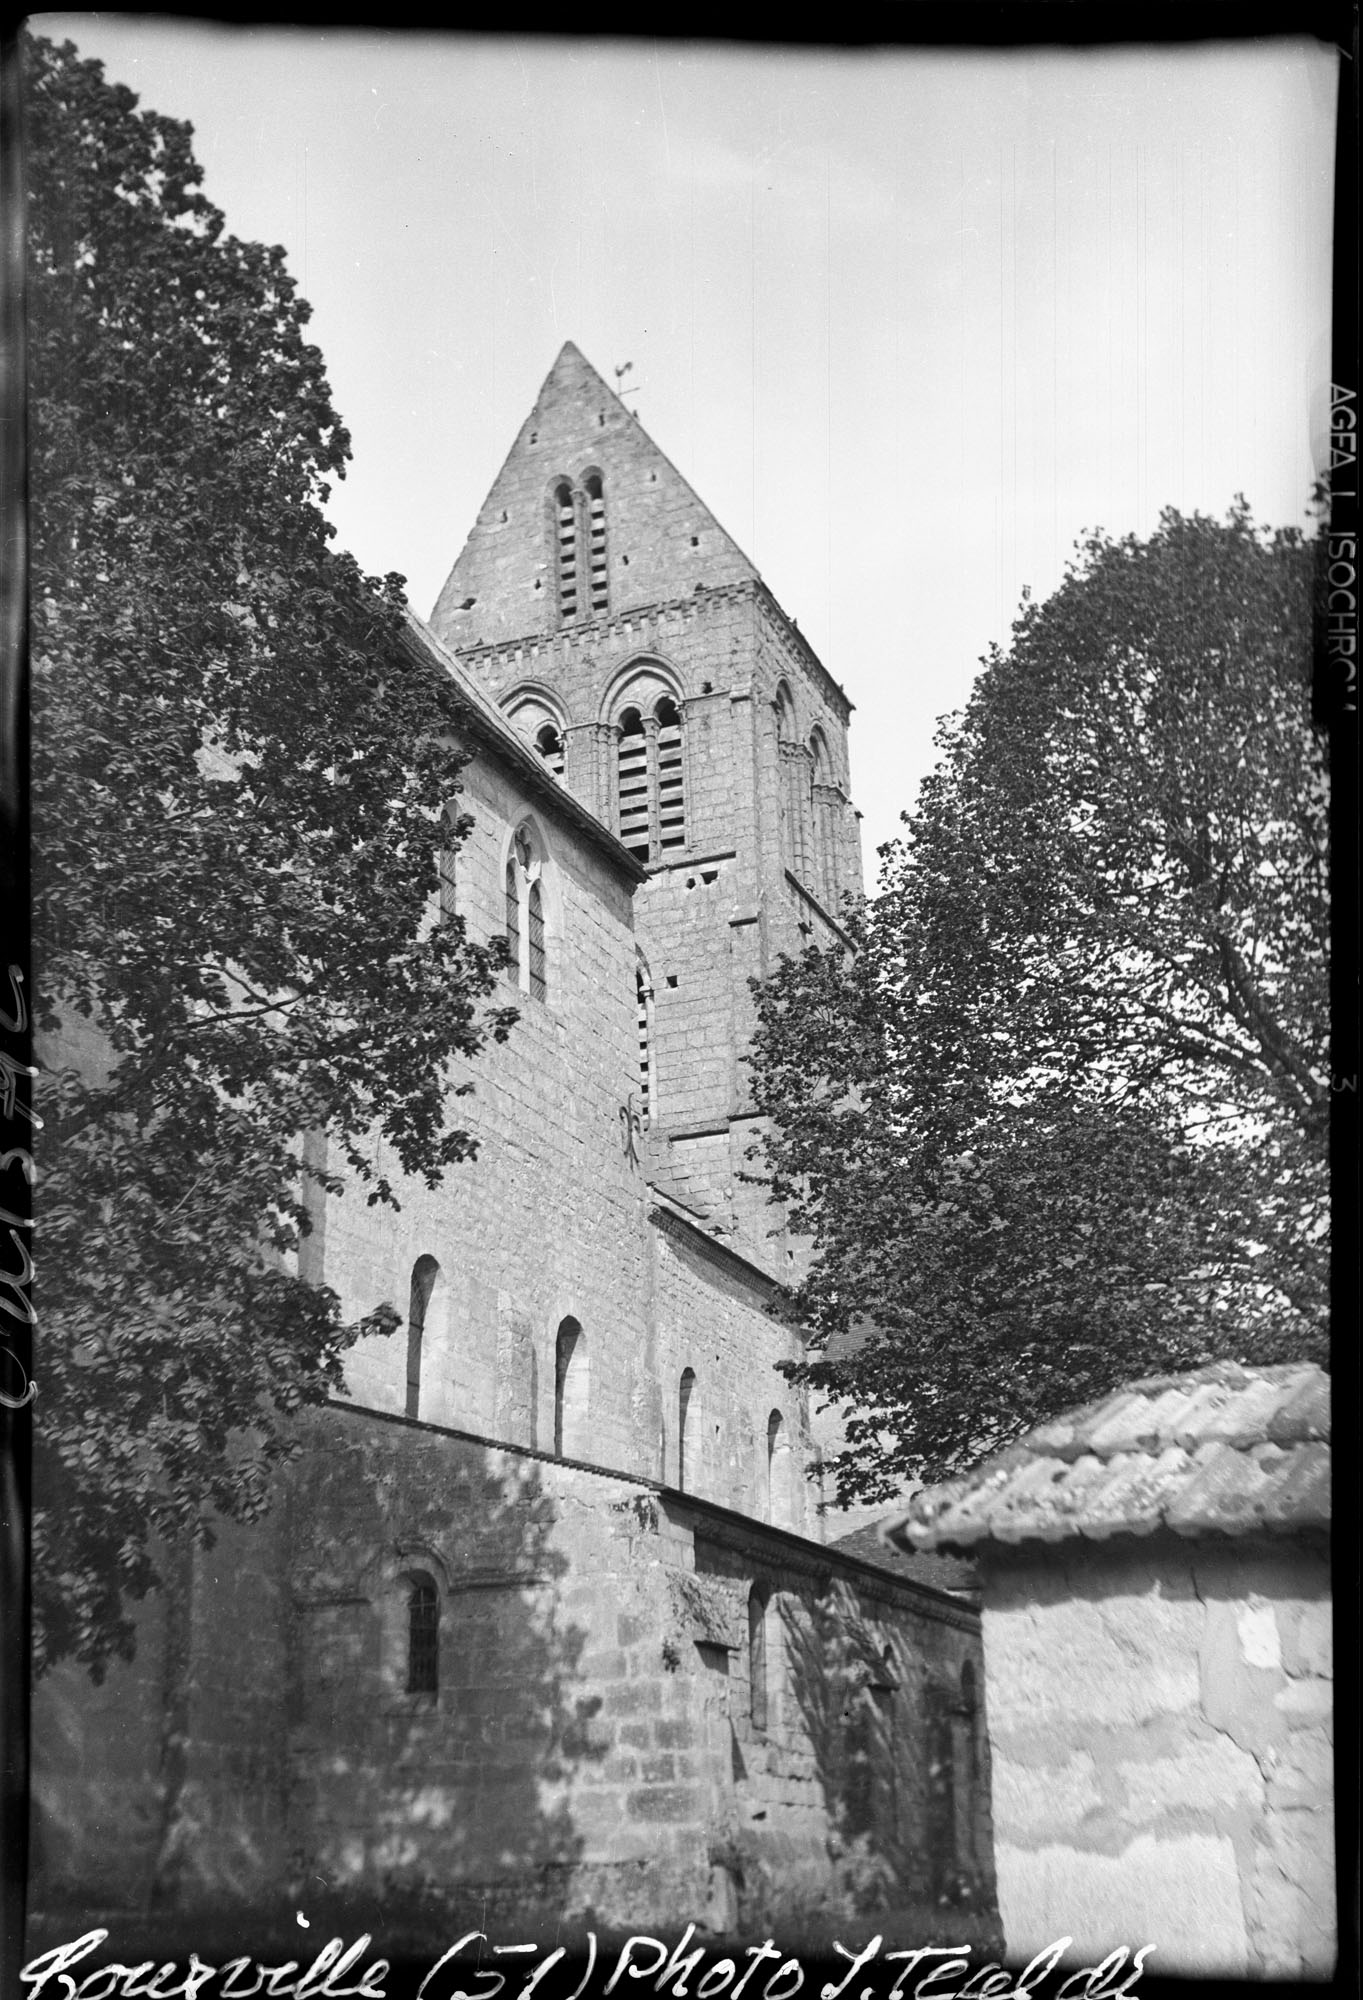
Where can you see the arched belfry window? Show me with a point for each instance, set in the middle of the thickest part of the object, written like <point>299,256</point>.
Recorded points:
<point>598,570</point>
<point>526,935</point>
<point>423,1634</point>
<point>563,518</point>
<point>651,772</point>
<point>643,991</point>
<point>425,1272</point>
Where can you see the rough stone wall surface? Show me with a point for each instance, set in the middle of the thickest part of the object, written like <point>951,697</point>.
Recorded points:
<point>592,1753</point>
<point>546,1224</point>
<point>715,912</point>
<point>1161,1724</point>
<point>711,1320</point>
<point>97,1783</point>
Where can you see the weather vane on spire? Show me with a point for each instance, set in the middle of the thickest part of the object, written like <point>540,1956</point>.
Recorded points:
<point>620,374</point>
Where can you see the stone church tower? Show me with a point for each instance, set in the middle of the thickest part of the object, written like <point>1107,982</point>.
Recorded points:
<point>634,646</point>
<point>544,1631</point>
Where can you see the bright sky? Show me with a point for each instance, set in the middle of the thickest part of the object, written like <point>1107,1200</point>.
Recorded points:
<point>909,322</point>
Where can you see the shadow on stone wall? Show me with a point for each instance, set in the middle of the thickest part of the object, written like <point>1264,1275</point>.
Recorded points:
<point>899,1759</point>
<point>309,1774</point>
<point>410,1793</point>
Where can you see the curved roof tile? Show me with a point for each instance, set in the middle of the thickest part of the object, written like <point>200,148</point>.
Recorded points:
<point>1225,1450</point>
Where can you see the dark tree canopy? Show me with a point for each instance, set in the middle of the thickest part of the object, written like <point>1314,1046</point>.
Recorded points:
<point>1061,1120</point>
<point>239,794</point>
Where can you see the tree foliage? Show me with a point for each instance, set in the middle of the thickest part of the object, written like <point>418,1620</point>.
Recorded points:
<point>1061,1119</point>
<point>240,791</point>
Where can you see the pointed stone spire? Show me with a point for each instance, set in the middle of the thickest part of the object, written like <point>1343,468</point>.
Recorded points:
<point>587,518</point>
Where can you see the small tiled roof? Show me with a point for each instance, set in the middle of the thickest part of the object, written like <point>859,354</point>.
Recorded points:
<point>1225,1450</point>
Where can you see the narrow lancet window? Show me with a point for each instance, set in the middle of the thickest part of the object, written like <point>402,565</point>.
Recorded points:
<point>424,1274</point>
<point>423,1636</point>
<point>571,1391</point>
<point>539,984</point>
<point>513,918</point>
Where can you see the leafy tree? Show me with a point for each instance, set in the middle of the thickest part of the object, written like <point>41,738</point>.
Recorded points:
<point>1061,1120</point>
<point>242,769</point>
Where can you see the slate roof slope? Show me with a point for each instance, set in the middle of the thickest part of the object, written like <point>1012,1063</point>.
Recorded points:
<point>1224,1450</point>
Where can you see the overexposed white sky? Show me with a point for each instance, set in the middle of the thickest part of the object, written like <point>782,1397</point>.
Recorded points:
<point>910,322</point>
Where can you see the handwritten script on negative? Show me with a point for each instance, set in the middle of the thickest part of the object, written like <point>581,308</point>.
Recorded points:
<point>475,1969</point>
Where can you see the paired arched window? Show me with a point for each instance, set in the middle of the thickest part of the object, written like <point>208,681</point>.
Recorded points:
<point>425,1273</point>
<point>643,994</point>
<point>577,544</point>
<point>650,783</point>
<point>571,1387</point>
<point>423,1634</point>
<point>688,1431</point>
<point>526,946</point>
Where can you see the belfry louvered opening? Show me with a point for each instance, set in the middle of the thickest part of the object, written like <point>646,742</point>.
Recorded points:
<point>671,787</point>
<point>633,785</point>
<point>651,780</point>
<point>565,536</point>
<point>598,569</point>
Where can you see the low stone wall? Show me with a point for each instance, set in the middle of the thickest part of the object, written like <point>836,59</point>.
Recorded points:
<point>1160,1721</point>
